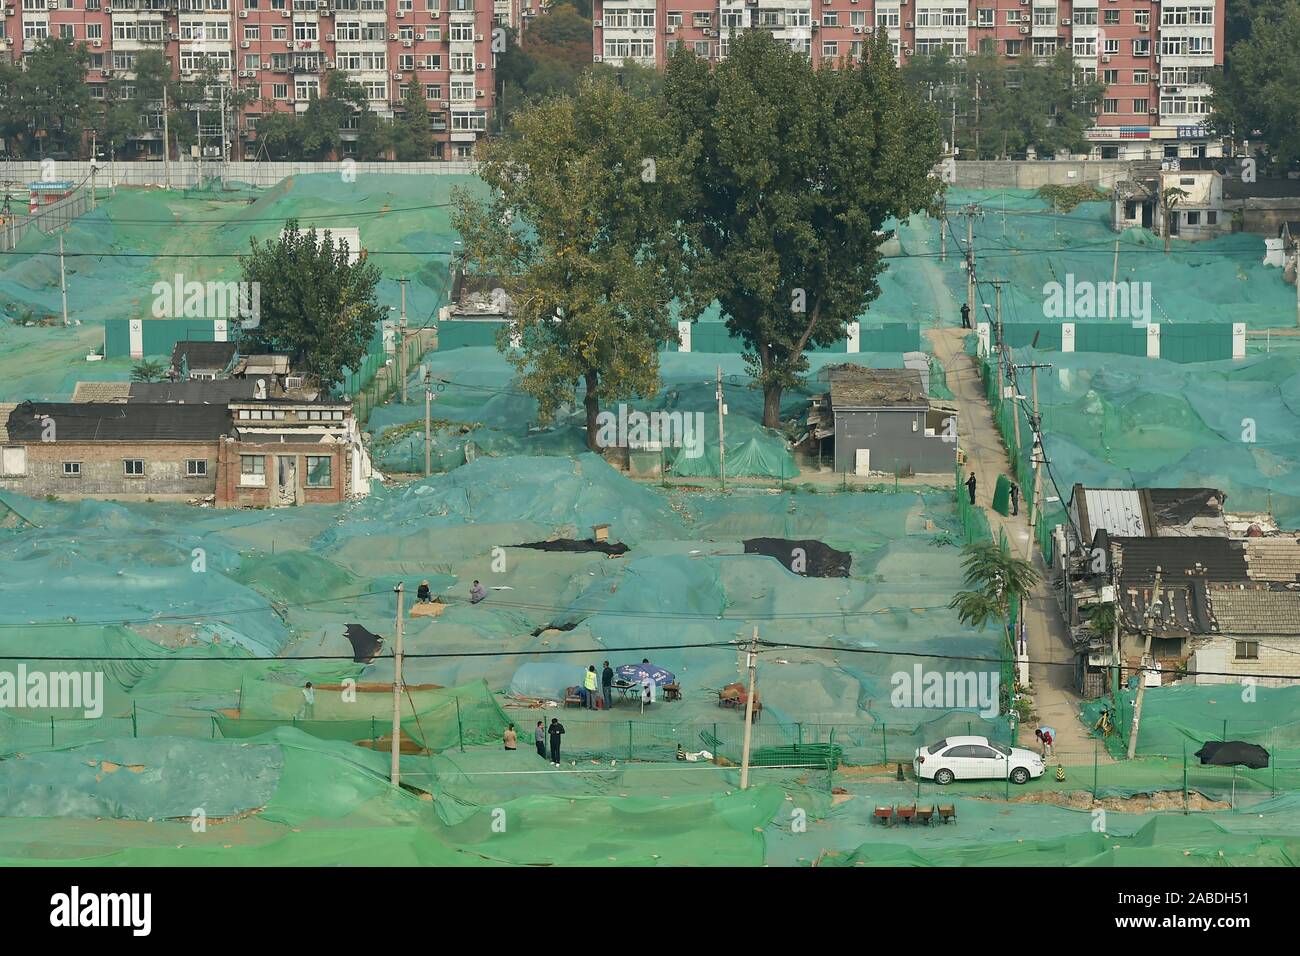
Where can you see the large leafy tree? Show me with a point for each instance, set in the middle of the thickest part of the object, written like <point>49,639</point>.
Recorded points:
<point>994,577</point>
<point>585,193</point>
<point>1260,87</point>
<point>45,105</point>
<point>798,172</point>
<point>412,141</point>
<point>314,304</point>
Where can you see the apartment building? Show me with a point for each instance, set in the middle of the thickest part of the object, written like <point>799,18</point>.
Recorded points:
<point>1154,58</point>
<point>281,49</point>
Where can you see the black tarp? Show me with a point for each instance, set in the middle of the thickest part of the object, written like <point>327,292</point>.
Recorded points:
<point>569,544</point>
<point>810,558</point>
<point>1228,753</point>
<point>365,645</point>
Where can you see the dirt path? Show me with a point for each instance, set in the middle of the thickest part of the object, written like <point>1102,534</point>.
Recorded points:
<point>1049,645</point>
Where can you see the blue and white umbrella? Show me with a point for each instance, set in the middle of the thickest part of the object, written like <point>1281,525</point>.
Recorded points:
<point>632,673</point>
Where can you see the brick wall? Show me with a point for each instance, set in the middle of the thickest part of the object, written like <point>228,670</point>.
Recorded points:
<point>233,491</point>
<point>103,474</point>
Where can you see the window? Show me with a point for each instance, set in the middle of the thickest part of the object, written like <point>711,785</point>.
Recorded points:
<point>72,469</point>
<point>252,31</point>
<point>1247,650</point>
<point>279,91</point>
<point>1142,17</point>
<point>252,470</point>
<point>1013,47</point>
<point>830,48</point>
<point>13,461</point>
<point>1110,106</point>
<point>133,467</point>
<point>1141,77</point>
<point>1211,218</point>
<point>318,471</point>
<point>830,19</point>
<point>94,31</point>
<point>984,17</point>
<point>1112,16</point>
<point>1141,47</point>
<point>1110,76</point>
<point>1193,219</point>
<point>1140,105</point>
<point>1110,47</point>
<point>67,31</point>
<point>196,468</point>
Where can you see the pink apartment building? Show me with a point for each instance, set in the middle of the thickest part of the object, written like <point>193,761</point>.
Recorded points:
<point>1154,58</point>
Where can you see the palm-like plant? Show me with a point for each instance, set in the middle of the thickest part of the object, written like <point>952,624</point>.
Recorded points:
<point>993,576</point>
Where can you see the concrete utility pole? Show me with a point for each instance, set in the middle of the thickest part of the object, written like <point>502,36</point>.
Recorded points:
<point>1001,348</point>
<point>1037,455</point>
<point>167,141</point>
<point>752,662</point>
<point>943,238</point>
<point>1154,607</point>
<point>63,280</point>
<point>428,403</point>
<point>722,448</point>
<point>94,152</point>
<point>395,772</point>
<point>401,355</point>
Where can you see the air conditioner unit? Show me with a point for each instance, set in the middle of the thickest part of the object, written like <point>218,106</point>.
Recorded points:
<point>1157,57</point>
<point>596,58</point>
<point>243,14</point>
<point>327,13</point>
<point>173,36</point>
<point>243,44</point>
<point>1144,27</point>
<point>907,50</point>
<point>707,33</point>
<point>445,104</point>
<point>401,14</point>
<point>816,24</point>
<point>1066,21</point>
<point>288,44</point>
<point>1105,58</point>
<point>105,72</point>
<point>478,38</point>
<point>1153,111</point>
<point>284,13</point>
<point>51,4</point>
<point>329,38</point>
<point>96,43</point>
<point>479,93</point>
<point>908,24</point>
<point>481,66</point>
<point>670,29</point>
<point>397,76</point>
<point>1024,29</point>
<point>857,29</point>
<point>329,64</point>
<point>392,36</point>
<point>597,23</point>
<point>408,43</point>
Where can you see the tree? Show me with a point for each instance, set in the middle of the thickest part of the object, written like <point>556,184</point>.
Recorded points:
<point>150,370</point>
<point>412,141</point>
<point>585,193</point>
<point>44,105</point>
<point>1170,197</point>
<point>993,577</point>
<point>799,169</point>
<point>280,134</point>
<point>1257,96</point>
<point>314,303</point>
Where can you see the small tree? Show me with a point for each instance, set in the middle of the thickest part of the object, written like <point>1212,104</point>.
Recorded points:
<point>412,142</point>
<point>993,576</point>
<point>1170,196</point>
<point>314,303</point>
<point>148,371</point>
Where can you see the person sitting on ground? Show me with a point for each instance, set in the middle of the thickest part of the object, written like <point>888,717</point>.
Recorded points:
<point>424,595</point>
<point>476,593</point>
<point>512,739</point>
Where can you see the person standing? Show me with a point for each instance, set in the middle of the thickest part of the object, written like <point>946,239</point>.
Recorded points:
<point>1049,740</point>
<point>965,316</point>
<point>511,738</point>
<point>647,691</point>
<point>607,685</point>
<point>1015,498</point>
<point>539,738</point>
<point>589,685</point>
<point>970,486</point>
<point>308,711</point>
<point>556,731</point>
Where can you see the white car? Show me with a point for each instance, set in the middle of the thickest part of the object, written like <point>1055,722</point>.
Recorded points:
<point>975,758</point>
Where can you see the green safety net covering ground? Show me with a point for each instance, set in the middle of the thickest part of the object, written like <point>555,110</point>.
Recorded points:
<point>478,410</point>
<point>1139,422</point>
<point>1217,280</point>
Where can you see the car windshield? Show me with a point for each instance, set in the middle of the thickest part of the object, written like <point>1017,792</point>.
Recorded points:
<point>1005,751</point>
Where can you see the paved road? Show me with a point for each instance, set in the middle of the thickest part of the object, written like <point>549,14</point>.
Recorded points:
<point>1055,701</point>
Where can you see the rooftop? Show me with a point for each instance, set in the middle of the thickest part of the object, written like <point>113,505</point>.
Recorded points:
<point>853,386</point>
<point>204,355</point>
<point>118,421</point>
<point>1245,610</point>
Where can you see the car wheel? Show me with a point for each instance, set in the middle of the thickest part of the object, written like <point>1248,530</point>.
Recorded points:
<point>1019,776</point>
<point>943,777</point>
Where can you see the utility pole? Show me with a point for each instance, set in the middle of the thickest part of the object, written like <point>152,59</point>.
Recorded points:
<point>1001,348</point>
<point>970,259</point>
<point>752,663</point>
<point>395,772</point>
<point>1154,607</point>
<point>167,141</point>
<point>94,143</point>
<point>943,237</point>
<point>428,403</point>
<point>63,281</point>
<point>1114,268</point>
<point>722,448</point>
<point>1037,455</point>
<point>401,357</point>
